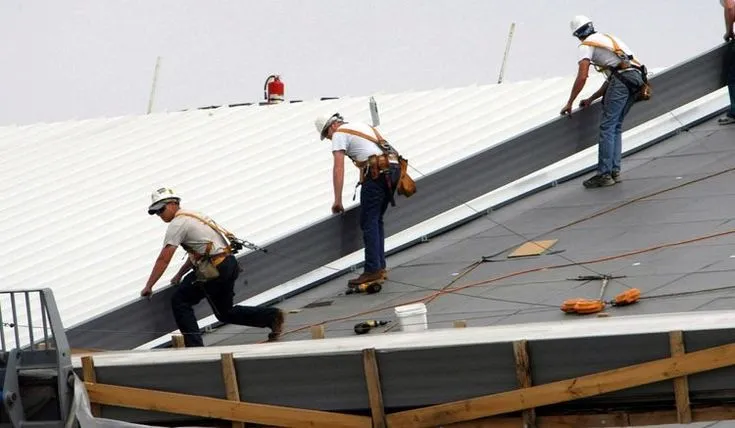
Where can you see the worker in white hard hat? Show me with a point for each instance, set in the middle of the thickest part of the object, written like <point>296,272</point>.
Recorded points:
<point>209,272</point>
<point>379,174</point>
<point>729,5</point>
<point>625,77</point>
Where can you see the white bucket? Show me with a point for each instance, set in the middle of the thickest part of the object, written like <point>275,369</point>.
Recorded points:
<point>412,317</point>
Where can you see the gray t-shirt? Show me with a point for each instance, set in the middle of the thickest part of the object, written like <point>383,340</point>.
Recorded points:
<point>193,234</point>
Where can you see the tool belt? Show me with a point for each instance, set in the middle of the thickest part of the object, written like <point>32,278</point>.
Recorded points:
<point>376,165</point>
<point>217,259</point>
<point>205,266</point>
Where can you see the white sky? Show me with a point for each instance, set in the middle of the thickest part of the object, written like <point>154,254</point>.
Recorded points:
<point>77,59</point>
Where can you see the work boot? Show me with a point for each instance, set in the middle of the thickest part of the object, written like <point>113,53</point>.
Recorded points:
<point>277,326</point>
<point>366,277</point>
<point>726,120</point>
<point>603,180</point>
<point>384,273</point>
<point>616,176</point>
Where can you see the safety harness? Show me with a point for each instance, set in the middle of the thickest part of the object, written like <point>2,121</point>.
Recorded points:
<point>626,61</point>
<point>218,258</point>
<point>375,165</point>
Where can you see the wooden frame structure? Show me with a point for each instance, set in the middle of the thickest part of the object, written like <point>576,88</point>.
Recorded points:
<point>490,410</point>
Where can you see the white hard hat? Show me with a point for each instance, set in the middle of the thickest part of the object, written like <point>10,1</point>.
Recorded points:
<point>578,22</point>
<point>160,197</point>
<point>322,123</point>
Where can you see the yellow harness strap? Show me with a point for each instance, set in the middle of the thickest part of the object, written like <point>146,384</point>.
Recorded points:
<point>362,164</point>
<point>615,49</point>
<point>217,259</point>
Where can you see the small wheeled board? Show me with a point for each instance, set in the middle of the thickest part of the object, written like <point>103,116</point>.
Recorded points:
<point>366,287</point>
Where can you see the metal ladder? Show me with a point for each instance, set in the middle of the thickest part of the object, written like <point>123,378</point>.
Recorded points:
<point>36,373</point>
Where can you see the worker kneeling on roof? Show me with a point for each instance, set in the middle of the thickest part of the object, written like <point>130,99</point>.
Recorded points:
<point>626,81</point>
<point>379,175</point>
<point>210,270</point>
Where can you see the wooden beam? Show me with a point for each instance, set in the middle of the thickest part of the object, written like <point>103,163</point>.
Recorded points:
<point>375,392</point>
<point>177,341</point>
<point>229,375</point>
<point>567,390</point>
<point>523,373</point>
<point>681,384</point>
<point>216,408</point>
<point>616,419</point>
<point>90,375</point>
<point>317,331</point>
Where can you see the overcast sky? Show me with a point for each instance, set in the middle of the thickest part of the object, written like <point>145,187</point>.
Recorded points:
<point>77,59</point>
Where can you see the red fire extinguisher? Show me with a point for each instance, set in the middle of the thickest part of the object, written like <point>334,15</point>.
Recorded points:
<point>273,89</point>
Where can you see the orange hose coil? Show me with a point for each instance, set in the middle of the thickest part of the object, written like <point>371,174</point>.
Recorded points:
<point>627,297</point>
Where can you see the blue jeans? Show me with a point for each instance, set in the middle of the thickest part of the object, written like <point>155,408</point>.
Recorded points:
<point>219,292</point>
<point>615,106</point>
<point>730,70</point>
<point>375,195</point>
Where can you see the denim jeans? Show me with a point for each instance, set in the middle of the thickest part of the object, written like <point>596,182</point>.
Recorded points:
<point>375,196</point>
<point>730,72</point>
<point>615,106</point>
<point>219,292</point>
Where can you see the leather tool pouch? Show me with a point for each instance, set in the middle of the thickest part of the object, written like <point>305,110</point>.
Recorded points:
<point>205,270</point>
<point>406,186</point>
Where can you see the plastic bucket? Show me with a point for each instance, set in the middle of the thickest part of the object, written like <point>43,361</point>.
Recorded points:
<point>412,317</point>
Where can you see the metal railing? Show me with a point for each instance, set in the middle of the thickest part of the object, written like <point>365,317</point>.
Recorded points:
<point>33,343</point>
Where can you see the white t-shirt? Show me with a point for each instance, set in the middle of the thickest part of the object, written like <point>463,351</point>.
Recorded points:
<point>600,56</point>
<point>193,234</point>
<point>355,147</point>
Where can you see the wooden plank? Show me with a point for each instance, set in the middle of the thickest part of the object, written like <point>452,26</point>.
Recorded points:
<point>523,373</point>
<point>229,375</point>
<point>375,392</point>
<point>216,408</point>
<point>317,331</point>
<point>533,248</point>
<point>177,341</point>
<point>681,384</point>
<point>616,419</point>
<point>567,390</point>
<point>90,375</point>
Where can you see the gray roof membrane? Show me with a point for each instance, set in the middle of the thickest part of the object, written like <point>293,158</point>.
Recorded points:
<point>666,229</point>
<point>678,190</point>
<point>322,243</point>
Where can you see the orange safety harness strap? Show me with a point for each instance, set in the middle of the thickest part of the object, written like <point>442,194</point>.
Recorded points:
<point>377,141</point>
<point>615,49</point>
<point>216,258</point>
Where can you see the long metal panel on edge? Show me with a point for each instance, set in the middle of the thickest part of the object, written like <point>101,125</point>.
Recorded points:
<point>142,321</point>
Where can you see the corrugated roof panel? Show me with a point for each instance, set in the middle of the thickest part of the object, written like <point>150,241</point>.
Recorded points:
<point>75,193</point>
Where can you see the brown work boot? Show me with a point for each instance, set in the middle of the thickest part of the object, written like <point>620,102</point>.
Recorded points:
<point>277,326</point>
<point>366,277</point>
<point>384,273</point>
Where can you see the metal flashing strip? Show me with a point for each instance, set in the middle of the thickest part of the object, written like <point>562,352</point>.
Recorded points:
<point>328,248</point>
<point>439,338</point>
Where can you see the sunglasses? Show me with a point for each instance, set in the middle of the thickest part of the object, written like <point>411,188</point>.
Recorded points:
<point>161,210</point>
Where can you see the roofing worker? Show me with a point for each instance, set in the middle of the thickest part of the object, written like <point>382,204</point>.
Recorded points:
<point>624,79</point>
<point>729,6</point>
<point>209,272</point>
<point>379,174</point>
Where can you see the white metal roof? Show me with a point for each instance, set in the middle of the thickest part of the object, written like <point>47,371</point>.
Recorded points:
<point>74,194</point>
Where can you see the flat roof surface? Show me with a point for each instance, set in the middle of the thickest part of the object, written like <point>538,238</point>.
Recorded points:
<point>666,229</point>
